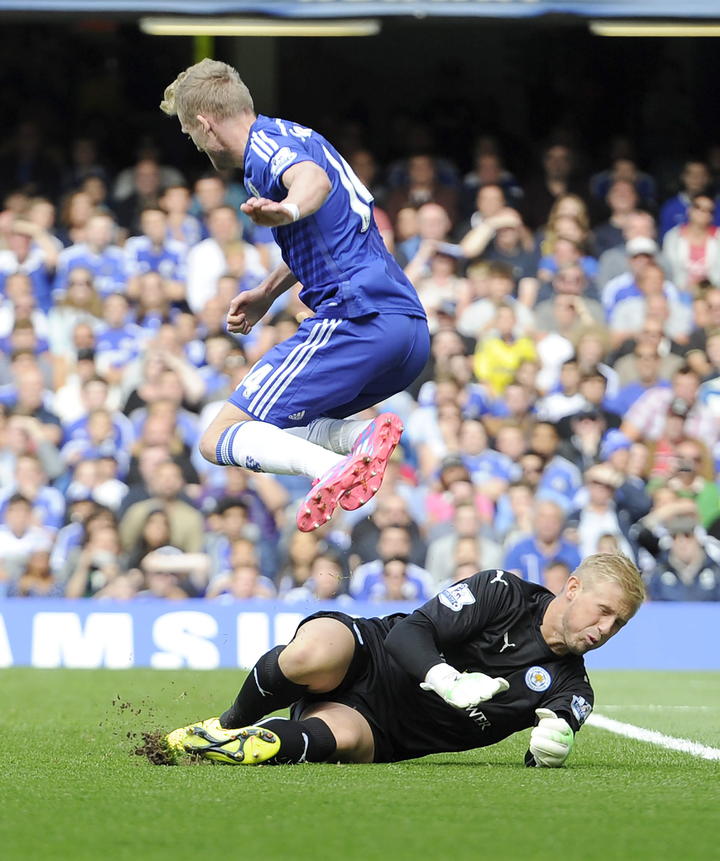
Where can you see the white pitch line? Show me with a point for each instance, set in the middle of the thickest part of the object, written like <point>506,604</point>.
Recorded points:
<point>650,707</point>
<point>667,741</point>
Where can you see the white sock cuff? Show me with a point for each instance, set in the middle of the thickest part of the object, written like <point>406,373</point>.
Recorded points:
<point>262,447</point>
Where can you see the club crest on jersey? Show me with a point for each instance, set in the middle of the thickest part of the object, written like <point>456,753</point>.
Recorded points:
<point>538,679</point>
<point>456,597</point>
<point>281,159</point>
<point>581,708</point>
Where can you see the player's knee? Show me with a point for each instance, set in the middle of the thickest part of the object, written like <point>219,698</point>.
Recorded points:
<point>208,445</point>
<point>310,663</point>
<point>353,736</point>
<point>348,740</point>
<point>319,656</point>
<point>301,658</point>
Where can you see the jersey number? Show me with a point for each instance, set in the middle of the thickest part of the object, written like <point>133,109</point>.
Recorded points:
<point>295,131</point>
<point>360,197</point>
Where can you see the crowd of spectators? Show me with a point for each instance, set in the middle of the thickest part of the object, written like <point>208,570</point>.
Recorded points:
<point>571,404</point>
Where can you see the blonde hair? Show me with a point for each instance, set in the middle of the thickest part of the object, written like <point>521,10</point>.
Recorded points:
<point>614,568</point>
<point>582,217</point>
<point>210,88</point>
<point>547,245</point>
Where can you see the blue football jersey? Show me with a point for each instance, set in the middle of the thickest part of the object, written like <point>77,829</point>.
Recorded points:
<point>337,253</point>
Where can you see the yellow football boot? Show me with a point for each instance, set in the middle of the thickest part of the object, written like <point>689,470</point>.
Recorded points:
<point>175,740</point>
<point>250,745</point>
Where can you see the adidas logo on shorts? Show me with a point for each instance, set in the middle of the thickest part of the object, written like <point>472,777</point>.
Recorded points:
<point>295,417</point>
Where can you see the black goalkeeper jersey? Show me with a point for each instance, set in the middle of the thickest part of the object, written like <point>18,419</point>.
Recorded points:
<point>489,623</point>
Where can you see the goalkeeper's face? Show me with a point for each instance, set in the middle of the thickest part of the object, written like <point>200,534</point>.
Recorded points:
<point>594,612</point>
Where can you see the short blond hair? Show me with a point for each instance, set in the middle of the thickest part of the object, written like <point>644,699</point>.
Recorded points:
<point>211,88</point>
<point>614,568</point>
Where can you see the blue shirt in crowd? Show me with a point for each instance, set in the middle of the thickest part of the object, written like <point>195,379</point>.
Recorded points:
<point>143,256</point>
<point>108,268</point>
<point>527,558</point>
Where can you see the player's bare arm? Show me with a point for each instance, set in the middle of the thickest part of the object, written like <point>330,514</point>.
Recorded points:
<point>251,305</point>
<point>308,187</point>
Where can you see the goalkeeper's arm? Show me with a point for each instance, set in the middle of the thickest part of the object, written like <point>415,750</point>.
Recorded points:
<point>412,643</point>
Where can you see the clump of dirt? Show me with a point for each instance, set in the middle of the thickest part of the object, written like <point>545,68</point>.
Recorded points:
<point>155,748</point>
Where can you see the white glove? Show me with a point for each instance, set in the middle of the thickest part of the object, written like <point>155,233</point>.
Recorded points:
<point>462,690</point>
<point>551,740</point>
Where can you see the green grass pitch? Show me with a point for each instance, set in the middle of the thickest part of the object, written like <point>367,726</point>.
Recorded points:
<point>70,786</point>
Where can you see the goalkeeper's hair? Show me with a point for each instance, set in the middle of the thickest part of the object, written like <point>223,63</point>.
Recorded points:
<point>211,88</point>
<point>614,568</point>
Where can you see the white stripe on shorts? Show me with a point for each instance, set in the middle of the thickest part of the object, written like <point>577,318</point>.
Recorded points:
<point>300,365</point>
<point>282,368</point>
<point>292,372</point>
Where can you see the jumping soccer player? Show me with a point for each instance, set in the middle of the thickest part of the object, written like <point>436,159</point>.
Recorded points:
<point>489,656</point>
<point>368,338</point>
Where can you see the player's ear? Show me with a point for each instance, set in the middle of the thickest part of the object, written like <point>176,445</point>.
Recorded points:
<point>572,587</point>
<point>204,122</point>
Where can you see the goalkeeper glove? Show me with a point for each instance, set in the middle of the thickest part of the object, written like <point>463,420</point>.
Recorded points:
<point>462,690</point>
<point>551,740</point>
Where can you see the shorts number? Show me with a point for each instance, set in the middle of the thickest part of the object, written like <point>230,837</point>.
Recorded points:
<point>253,380</point>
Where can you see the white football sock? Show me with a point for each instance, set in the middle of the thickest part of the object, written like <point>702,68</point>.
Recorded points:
<point>262,447</point>
<point>338,435</point>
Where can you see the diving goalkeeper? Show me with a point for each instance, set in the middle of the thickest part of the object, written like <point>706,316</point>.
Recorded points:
<point>488,657</point>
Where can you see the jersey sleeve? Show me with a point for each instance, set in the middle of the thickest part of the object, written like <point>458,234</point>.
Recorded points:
<point>572,699</point>
<point>457,614</point>
<point>273,149</point>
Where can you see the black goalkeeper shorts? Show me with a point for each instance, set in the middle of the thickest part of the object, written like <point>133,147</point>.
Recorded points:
<point>372,683</point>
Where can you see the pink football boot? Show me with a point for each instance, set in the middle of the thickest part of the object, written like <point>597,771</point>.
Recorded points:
<point>318,506</point>
<point>377,442</point>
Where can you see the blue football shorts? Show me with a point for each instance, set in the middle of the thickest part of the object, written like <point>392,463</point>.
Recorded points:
<point>334,367</point>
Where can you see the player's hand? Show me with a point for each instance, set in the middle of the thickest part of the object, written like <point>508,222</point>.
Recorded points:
<point>246,309</point>
<point>551,740</point>
<point>462,690</point>
<point>268,213</point>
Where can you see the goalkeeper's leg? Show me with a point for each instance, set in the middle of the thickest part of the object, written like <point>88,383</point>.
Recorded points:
<point>316,661</point>
<point>328,731</point>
